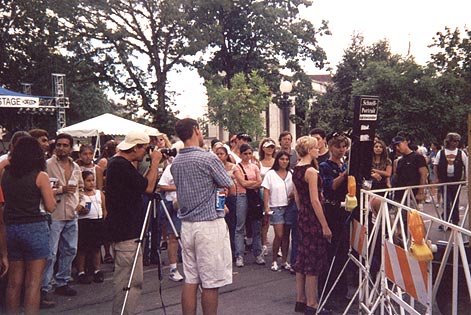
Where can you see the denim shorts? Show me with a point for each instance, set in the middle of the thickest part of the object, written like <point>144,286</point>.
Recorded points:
<point>28,241</point>
<point>278,215</point>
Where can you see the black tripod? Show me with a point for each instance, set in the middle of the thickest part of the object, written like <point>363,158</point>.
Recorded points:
<point>151,207</point>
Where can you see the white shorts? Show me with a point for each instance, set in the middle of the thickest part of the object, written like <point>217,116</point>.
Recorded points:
<point>207,257</point>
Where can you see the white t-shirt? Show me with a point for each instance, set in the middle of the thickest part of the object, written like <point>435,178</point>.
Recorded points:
<point>96,210</point>
<point>280,189</point>
<point>167,180</point>
<point>450,156</point>
<point>263,170</point>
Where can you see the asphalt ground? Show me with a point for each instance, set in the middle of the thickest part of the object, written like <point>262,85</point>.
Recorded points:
<point>255,290</point>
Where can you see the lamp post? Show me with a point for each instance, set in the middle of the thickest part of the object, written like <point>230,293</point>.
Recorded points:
<point>285,102</point>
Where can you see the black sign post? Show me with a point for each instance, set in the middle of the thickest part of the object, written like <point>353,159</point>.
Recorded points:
<point>364,128</point>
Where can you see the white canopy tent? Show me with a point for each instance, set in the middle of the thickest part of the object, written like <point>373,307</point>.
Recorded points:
<point>106,124</point>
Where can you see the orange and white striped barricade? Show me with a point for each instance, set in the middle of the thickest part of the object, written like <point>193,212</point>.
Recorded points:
<point>408,273</point>
<point>358,238</point>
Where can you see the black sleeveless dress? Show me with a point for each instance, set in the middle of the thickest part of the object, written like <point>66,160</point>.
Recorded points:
<point>312,256</point>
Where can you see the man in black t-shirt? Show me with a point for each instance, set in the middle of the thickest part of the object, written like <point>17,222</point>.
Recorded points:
<point>321,137</point>
<point>411,169</point>
<point>124,190</point>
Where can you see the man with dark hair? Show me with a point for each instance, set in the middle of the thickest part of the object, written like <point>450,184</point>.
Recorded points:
<point>320,135</point>
<point>241,138</point>
<point>206,248</point>
<point>124,190</point>
<point>411,169</point>
<point>285,139</point>
<point>450,165</point>
<point>64,226</point>
<point>42,136</point>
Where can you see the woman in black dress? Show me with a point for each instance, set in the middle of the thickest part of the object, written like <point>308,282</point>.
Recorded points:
<point>314,232</point>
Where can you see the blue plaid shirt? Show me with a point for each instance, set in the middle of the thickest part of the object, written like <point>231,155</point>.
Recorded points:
<point>197,175</point>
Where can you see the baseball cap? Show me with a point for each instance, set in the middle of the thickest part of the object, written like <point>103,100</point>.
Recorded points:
<point>244,136</point>
<point>133,138</point>
<point>268,144</point>
<point>397,139</point>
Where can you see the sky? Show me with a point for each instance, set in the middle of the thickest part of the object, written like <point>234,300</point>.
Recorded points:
<point>401,22</point>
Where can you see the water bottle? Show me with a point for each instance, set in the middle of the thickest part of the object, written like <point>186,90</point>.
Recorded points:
<point>220,201</point>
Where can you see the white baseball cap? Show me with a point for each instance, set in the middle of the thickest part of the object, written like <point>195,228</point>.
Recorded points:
<point>133,138</point>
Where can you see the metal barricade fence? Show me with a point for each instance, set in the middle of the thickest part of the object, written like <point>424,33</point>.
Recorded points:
<point>390,280</point>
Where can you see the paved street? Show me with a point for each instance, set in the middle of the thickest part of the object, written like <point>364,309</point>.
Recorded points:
<point>256,290</point>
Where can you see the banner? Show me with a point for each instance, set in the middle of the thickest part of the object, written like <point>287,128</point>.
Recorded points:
<point>18,101</point>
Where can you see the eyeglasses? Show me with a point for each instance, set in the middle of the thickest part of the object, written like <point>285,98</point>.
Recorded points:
<point>247,153</point>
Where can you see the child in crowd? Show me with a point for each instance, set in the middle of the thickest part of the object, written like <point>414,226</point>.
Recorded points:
<point>91,212</point>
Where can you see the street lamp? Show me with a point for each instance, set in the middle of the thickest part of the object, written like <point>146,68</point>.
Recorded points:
<point>285,102</point>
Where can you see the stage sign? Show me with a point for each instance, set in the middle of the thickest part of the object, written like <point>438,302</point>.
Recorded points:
<point>18,101</point>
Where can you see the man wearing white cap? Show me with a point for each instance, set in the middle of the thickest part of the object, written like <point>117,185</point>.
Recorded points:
<point>124,189</point>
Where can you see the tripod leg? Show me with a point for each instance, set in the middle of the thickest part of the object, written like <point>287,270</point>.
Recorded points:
<point>136,256</point>
<point>169,218</point>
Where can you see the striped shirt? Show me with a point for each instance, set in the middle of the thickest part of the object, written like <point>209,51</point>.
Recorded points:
<point>197,175</point>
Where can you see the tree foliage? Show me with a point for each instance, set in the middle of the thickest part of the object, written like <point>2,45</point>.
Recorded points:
<point>239,108</point>
<point>424,102</point>
<point>249,35</point>
<point>31,52</point>
<point>135,44</point>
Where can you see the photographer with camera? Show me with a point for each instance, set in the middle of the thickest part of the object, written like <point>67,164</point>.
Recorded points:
<point>155,230</point>
<point>124,190</point>
<point>205,240</point>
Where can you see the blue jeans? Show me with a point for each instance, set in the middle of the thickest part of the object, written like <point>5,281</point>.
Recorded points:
<point>231,220</point>
<point>64,236</point>
<point>240,229</point>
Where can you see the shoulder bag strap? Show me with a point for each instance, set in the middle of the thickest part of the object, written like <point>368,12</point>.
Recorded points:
<point>243,170</point>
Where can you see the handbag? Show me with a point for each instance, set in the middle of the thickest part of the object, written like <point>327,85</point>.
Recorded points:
<point>254,201</point>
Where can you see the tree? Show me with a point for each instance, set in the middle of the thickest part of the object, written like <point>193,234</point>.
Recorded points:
<point>333,110</point>
<point>423,102</point>
<point>265,36</point>
<point>136,44</point>
<point>31,52</point>
<point>238,109</point>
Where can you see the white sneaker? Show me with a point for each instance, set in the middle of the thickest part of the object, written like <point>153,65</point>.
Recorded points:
<point>286,266</point>
<point>240,261</point>
<point>259,260</point>
<point>175,275</point>
<point>264,250</point>
<point>274,266</point>
<point>279,253</point>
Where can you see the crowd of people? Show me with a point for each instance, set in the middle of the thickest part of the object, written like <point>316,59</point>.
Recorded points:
<point>58,213</point>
